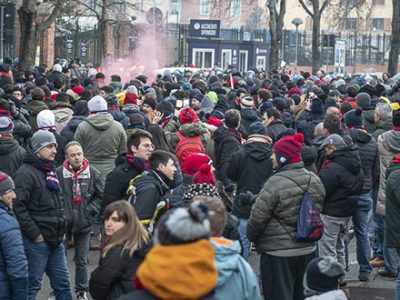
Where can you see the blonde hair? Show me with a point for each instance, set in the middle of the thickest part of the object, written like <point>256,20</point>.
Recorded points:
<point>132,235</point>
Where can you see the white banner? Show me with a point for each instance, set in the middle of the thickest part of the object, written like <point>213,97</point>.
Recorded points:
<point>340,57</point>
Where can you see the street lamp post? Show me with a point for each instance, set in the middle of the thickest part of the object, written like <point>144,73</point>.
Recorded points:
<point>297,22</point>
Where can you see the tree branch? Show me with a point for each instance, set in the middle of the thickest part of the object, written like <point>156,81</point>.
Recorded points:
<point>52,17</point>
<point>324,5</point>
<point>89,8</point>
<point>306,8</point>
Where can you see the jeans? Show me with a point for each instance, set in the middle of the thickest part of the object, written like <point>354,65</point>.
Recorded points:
<point>379,236</point>
<point>81,246</point>
<point>360,218</point>
<point>42,258</point>
<point>388,254</point>
<point>332,242</point>
<point>243,237</point>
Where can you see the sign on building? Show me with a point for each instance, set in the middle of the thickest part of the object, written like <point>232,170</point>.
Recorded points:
<point>340,57</point>
<point>204,28</point>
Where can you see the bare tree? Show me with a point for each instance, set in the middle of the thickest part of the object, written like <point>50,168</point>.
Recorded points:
<point>31,26</point>
<point>318,8</point>
<point>395,43</point>
<point>276,30</point>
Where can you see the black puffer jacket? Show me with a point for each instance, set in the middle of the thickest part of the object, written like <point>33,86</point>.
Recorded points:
<point>343,181</point>
<point>120,116</point>
<point>11,156</point>
<point>307,126</point>
<point>38,209</point>
<point>115,273</point>
<point>369,156</point>
<point>274,129</point>
<point>250,167</point>
<point>69,130</point>
<point>248,116</point>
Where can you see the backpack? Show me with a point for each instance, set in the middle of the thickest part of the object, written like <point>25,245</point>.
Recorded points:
<point>309,222</point>
<point>187,146</point>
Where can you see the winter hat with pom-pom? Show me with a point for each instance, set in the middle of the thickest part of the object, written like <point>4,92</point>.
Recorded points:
<point>204,175</point>
<point>354,118</point>
<point>288,149</point>
<point>188,116</point>
<point>193,162</point>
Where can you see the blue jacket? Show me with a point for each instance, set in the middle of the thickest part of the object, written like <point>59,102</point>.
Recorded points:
<point>13,263</point>
<point>236,278</point>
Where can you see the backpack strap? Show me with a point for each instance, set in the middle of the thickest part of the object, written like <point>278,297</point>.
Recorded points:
<point>309,181</point>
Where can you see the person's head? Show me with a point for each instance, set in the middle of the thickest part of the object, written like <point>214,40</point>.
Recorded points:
<point>187,116</point>
<point>74,154</point>
<point>160,140</point>
<point>271,115</point>
<point>287,150</point>
<point>204,175</point>
<point>37,94</point>
<point>44,144</point>
<point>181,225</point>
<point>363,100</point>
<point>319,130</point>
<point>149,103</point>
<point>383,112</point>
<point>6,127</point>
<point>7,194</point>
<point>264,95</point>
<point>97,105</point>
<point>354,119</point>
<point>246,102</point>
<point>162,161</point>
<point>332,110</point>
<point>232,118</point>
<point>194,161</point>
<point>18,93</point>
<point>105,91</point>
<point>195,101</point>
<point>217,213</point>
<point>332,124</point>
<point>59,83</point>
<point>322,275</point>
<point>140,144</point>
<point>122,227</point>
<point>332,143</point>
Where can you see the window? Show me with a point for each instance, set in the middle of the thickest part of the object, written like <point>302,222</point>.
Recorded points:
<point>260,63</point>
<point>119,7</point>
<point>235,8</point>
<point>351,24</point>
<point>243,57</point>
<point>204,7</point>
<point>226,58</point>
<point>203,58</point>
<point>378,24</point>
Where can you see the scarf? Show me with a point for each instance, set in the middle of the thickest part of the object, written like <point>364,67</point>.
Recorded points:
<point>166,121</point>
<point>326,162</point>
<point>137,163</point>
<point>49,168</point>
<point>76,187</point>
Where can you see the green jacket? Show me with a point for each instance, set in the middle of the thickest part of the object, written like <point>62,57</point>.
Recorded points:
<point>382,127</point>
<point>369,121</point>
<point>392,208</point>
<point>280,198</point>
<point>102,140</point>
<point>191,130</point>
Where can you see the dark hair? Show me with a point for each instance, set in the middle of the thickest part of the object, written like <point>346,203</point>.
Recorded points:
<point>86,95</point>
<point>351,91</point>
<point>75,82</point>
<point>159,138</point>
<point>264,95</point>
<point>58,82</point>
<point>332,124</point>
<point>159,157</point>
<point>273,112</point>
<point>106,89</point>
<point>232,118</point>
<point>116,78</point>
<point>37,94</point>
<point>135,137</point>
<point>100,75</point>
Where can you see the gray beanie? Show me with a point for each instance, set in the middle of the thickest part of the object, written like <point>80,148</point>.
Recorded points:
<point>6,125</point>
<point>97,104</point>
<point>363,100</point>
<point>6,183</point>
<point>41,139</point>
<point>180,226</point>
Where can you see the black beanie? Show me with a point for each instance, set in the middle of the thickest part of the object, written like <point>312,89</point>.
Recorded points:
<point>363,100</point>
<point>165,107</point>
<point>81,108</point>
<point>317,108</point>
<point>354,118</point>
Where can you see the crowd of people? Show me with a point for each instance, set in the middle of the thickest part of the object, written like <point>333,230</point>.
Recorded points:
<point>187,174</point>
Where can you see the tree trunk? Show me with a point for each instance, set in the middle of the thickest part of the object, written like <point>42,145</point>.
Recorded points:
<point>27,49</point>
<point>316,42</point>
<point>395,42</point>
<point>274,44</point>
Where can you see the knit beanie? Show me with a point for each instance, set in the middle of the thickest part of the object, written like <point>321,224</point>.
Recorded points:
<point>363,100</point>
<point>354,118</point>
<point>150,102</point>
<point>6,126</point>
<point>288,149</point>
<point>187,115</point>
<point>247,102</point>
<point>265,106</point>
<point>81,108</point>
<point>132,89</point>
<point>296,99</point>
<point>97,104</point>
<point>78,89</point>
<point>46,120</point>
<point>294,91</point>
<point>322,275</point>
<point>204,175</point>
<point>180,226</point>
<point>165,107</point>
<point>193,163</point>
<point>6,183</point>
<point>257,128</point>
<point>130,98</point>
<point>41,139</point>
<point>317,108</point>
<point>279,103</point>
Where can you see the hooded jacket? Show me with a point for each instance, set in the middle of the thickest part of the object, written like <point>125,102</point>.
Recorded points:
<point>369,157</point>
<point>11,156</point>
<point>38,209</point>
<point>388,146</point>
<point>382,127</point>
<point>369,120</point>
<point>191,130</point>
<point>392,207</point>
<point>236,278</point>
<point>62,116</point>
<point>70,128</point>
<point>342,178</point>
<point>247,117</point>
<point>102,139</point>
<point>120,117</point>
<point>250,167</point>
<point>307,125</point>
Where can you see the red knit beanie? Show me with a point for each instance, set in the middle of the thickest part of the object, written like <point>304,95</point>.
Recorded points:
<point>204,175</point>
<point>78,89</point>
<point>214,121</point>
<point>130,98</point>
<point>193,163</point>
<point>187,115</point>
<point>290,146</point>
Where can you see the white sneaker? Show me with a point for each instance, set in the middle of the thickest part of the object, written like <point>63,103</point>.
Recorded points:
<point>51,296</point>
<point>81,296</point>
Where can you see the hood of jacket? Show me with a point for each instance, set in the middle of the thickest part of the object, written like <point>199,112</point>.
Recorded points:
<point>369,116</point>
<point>117,115</point>
<point>101,121</point>
<point>63,114</point>
<point>227,255</point>
<point>393,166</point>
<point>184,271</point>
<point>30,157</point>
<point>348,157</point>
<point>385,125</point>
<point>75,121</point>
<point>309,154</point>
<point>249,114</point>
<point>36,106</point>
<point>258,150</point>
<point>392,140</point>
<point>223,132</point>
<point>192,129</point>
<point>7,146</point>
<point>359,136</point>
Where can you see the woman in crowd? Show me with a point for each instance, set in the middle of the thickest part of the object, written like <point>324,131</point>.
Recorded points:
<point>125,246</point>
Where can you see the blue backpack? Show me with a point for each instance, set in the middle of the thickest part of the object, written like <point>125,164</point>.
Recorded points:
<point>309,222</point>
